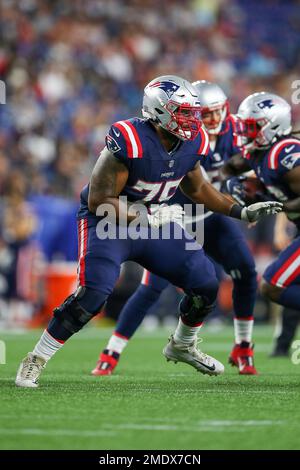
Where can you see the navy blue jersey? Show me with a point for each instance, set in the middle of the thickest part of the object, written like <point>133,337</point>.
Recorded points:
<point>154,173</point>
<point>225,148</point>
<point>272,165</point>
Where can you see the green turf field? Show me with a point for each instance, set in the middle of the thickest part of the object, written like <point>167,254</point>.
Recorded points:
<point>149,403</point>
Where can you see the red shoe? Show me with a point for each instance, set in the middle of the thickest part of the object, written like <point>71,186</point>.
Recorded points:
<point>242,357</point>
<point>108,360</point>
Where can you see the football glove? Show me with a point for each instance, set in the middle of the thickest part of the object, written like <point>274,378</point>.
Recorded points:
<point>260,209</point>
<point>166,214</point>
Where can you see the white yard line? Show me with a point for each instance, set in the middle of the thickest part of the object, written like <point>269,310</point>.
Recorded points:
<point>112,429</point>
<point>55,432</point>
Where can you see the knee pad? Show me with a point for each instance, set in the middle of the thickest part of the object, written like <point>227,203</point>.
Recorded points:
<point>198,303</point>
<point>71,314</point>
<point>207,292</point>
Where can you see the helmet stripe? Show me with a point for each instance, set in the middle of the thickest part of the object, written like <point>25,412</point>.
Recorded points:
<point>274,154</point>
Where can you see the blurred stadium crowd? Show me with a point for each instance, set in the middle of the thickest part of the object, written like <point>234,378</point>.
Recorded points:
<point>73,67</point>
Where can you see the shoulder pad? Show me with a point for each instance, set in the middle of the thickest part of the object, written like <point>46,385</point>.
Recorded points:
<point>282,149</point>
<point>123,140</point>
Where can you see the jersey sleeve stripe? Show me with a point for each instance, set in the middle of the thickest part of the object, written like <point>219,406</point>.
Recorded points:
<point>204,146</point>
<point>137,139</point>
<point>288,271</point>
<point>123,130</point>
<point>134,146</point>
<point>82,241</point>
<point>145,278</point>
<point>274,154</point>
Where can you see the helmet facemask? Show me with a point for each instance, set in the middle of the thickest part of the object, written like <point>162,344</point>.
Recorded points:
<point>256,133</point>
<point>185,120</point>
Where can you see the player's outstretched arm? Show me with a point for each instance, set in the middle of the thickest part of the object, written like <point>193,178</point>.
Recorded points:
<point>108,178</point>
<point>201,191</point>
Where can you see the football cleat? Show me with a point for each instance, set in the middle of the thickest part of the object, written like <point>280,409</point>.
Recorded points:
<point>242,357</point>
<point>205,364</point>
<point>108,361</point>
<point>29,371</point>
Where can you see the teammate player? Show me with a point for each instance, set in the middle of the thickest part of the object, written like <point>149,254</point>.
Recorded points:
<point>223,241</point>
<point>288,320</point>
<point>274,154</point>
<point>133,164</point>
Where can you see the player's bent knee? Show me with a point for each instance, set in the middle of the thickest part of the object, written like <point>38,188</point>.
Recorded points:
<point>245,273</point>
<point>249,272</point>
<point>198,303</point>
<point>245,280</point>
<point>72,314</point>
<point>208,291</point>
<point>269,291</point>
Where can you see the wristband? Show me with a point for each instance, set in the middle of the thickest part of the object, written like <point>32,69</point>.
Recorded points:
<point>236,211</point>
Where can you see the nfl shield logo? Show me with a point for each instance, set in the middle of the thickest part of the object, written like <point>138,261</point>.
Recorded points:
<point>171,163</point>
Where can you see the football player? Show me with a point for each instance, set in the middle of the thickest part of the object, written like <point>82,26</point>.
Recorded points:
<point>288,321</point>
<point>224,242</point>
<point>133,164</point>
<point>273,153</point>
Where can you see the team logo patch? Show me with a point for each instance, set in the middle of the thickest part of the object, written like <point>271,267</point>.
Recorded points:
<point>111,144</point>
<point>168,87</point>
<point>290,160</point>
<point>265,104</point>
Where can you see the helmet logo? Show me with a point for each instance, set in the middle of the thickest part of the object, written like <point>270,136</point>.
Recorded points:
<point>265,104</point>
<point>168,87</point>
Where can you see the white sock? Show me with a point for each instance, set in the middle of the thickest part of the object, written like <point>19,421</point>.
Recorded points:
<point>47,346</point>
<point>185,334</point>
<point>117,343</point>
<point>243,330</point>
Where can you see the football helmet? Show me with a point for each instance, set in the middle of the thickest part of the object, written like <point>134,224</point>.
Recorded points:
<point>212,98</point>
<point>263,118</point>
<point>172,102</point>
